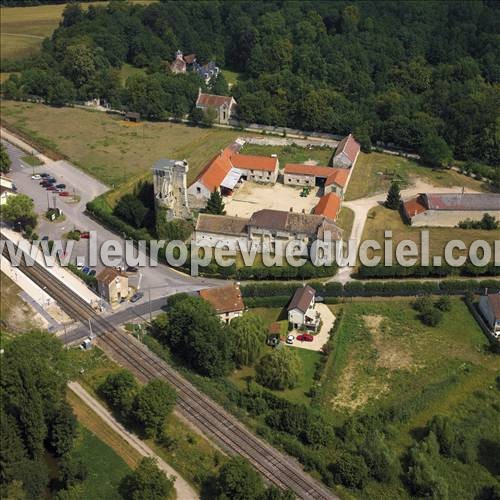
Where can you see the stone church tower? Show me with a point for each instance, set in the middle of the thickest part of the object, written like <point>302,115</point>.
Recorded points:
<point>170,187</point>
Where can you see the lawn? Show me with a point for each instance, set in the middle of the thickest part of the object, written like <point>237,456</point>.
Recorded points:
<point>105,469</point>
<point>381,219</point>
<point>112,150</point>
<point>345,221</point>
<point>384,357</point>
<point>232,77</point>
<point>32,160</point>
<point>128,70</point>
<point>374,172</point>
<point>308,358</point>
<point>291,153</point>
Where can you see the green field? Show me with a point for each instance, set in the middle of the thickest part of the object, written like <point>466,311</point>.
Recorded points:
<point>128,70</point>
<point>112,150</point>
<point>374,172</point>
<point>291,153</point>
<point>384,357</point>
<point>345,221</point>
<point>105,469</point>
<point>381,219</point>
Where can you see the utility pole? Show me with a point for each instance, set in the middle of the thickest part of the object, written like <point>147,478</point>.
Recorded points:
<point>90,328</point>
<point>150,311</point>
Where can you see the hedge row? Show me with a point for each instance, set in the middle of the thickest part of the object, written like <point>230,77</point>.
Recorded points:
<point>418,271</point>
<point>276,293</point>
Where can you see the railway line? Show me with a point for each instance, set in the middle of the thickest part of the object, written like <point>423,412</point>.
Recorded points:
<point>215,422</point>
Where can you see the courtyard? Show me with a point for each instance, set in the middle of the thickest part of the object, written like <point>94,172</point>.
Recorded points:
<point>250,197</point>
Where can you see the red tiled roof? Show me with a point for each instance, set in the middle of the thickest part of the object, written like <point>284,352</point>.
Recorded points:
<point>215,170</point>
<point>215,101</point>
<point>190,58</point>
<point>254,162</point>
<point>108,274</point>
<point>312,170</point>
<point>224,299</point>
<point>338,177</point>
<point>414,206</point>
<point>349,146</point>
<point>328,205</point>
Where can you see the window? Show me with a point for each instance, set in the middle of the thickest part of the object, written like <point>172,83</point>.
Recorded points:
<point>198,190</point>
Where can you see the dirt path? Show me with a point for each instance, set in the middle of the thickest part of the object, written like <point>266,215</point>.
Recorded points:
<point>362,206</point>
<point>183,489</point>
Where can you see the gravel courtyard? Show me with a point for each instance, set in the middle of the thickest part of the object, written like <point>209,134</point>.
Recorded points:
<point>251,197</point>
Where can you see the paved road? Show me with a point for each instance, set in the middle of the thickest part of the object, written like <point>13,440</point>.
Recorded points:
<point>183,489</point>
<point>161,280</point>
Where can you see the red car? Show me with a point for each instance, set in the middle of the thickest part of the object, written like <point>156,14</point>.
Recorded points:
<point>85,235</point>
<point>51,188</point>
<point>64,193</point>
<point>305,337</point>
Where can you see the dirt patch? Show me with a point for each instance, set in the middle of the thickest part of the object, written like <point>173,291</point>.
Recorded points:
<point>354,390</point>
<point>391,354</point>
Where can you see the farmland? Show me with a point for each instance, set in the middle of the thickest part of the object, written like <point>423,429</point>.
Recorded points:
<point>114,151</point>
<point>374,172</point>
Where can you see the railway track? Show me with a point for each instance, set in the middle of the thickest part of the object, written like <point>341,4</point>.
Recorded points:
<point>215,422</point>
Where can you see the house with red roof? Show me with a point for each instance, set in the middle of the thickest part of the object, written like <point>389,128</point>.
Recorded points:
<point>333,180</point>
<point>329,205</point>
<point>346,153</point>
<point>224,106</point>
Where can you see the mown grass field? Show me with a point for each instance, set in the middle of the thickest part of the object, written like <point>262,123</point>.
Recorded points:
<point>381,219</point>
<point>105,468</point>
<point>345,221</point>
<point>373,174</point>
<point>112,150</point>
<point>291,153</point>
<point>383,356</point>
<point>189,453</point>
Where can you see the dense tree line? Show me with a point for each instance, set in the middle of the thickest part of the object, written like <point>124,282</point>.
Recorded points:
<point>420,75</point>
<point>35,418</point>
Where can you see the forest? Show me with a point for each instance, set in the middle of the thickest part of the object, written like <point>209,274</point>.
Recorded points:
<point>416,75</point>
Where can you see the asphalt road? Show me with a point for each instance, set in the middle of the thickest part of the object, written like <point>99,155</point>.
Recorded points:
<point>160,280</point>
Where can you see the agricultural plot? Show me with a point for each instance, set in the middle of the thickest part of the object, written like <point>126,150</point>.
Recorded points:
<point>292,153</point>
<point>374,172</point>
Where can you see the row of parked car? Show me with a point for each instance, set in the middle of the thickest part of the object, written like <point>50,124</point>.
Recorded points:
<point>86,270</point>
<point>303,337</point>
<point>50,184</point>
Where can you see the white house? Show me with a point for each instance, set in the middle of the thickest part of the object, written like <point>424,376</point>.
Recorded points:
<point>301,311</point>
<point>489,305</point>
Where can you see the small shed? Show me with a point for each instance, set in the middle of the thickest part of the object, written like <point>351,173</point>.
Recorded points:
<point>132,116</point>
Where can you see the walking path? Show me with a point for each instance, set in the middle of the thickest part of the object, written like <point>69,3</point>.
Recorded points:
<point>182,487</point>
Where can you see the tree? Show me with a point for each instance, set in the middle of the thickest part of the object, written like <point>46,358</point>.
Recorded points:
<point>209,116</point>
<point>120,389</point>
<point>131,210</point>
<point>248,335</point>
<point>435,151</point>
<point>153,404</point>
<point>147,482</point>
<point>393,197</point>
<point>350,470</point>
<point>238,480</point>
<point>379,458</point>
<point>4,159</point>
<point>19,211</point>
<point>274,493</point>
<point>63,429</point>
<point>423,304</point>
<point>444,303</point>
<point>489,222</point>
<point>280,369</point>
<point>452,441</point>
<point>12,452</point>
<point>197,336</point>
<point>431,317</point>
<point>215,204</point>
<point>72,470</point>
<point>219,85</point>
<point>196,115</point>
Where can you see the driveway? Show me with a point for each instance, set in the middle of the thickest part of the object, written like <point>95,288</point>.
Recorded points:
<point>321,338</point>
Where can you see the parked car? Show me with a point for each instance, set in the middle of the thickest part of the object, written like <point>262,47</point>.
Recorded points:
<point>44,183</point>
<point>44,175</point>
<point>36,177</point>
<point>45,238</point>
<point>51,180</point>
<point>137,296</point>
<point>92,272</point>
<point>290,339</point>
<point>86,270</point>
<point>61,186</point>
<point>305,337</point>
<point>85,235</point>
<point>51,188</point>
<point>64,193</point>
<point>131,269</point>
